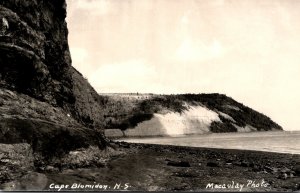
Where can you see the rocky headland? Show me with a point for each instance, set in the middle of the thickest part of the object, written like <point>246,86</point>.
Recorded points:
<point>47,108</point>
<point>148,115</point>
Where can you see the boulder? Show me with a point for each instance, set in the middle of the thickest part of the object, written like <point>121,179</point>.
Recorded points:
<point>16,160</point>
<point>213,164</point>
<point>179,163</point>
<point>245,164</point>
<point>51,169</point>
<point>30,182</point>
<point>297,170</point>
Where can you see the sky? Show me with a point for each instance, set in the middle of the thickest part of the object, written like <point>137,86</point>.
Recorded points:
<point>248,50</point>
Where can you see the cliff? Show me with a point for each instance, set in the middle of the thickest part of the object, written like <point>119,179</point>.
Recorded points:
<point>35,58</point>
<point>169,115</point>
<point>44,101</point>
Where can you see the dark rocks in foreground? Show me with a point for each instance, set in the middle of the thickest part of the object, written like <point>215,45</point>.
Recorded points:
<point>213,164</point>
<point>161,168</point>
<point>178,163</point>
<point>297,170</point>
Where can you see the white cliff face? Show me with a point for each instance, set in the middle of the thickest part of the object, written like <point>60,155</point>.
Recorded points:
<point>195,120</point>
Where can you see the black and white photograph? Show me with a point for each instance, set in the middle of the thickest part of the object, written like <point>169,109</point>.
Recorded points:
<point>150,95</point>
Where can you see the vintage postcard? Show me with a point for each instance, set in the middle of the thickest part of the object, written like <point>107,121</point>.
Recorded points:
<point>150,95</point>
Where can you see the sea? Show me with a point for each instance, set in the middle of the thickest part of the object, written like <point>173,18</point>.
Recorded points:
<point>269,141</point>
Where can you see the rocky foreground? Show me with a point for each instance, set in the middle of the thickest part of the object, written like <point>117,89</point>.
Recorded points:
<point>127,166</point>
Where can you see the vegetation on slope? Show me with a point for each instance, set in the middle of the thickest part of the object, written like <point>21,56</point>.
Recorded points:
<point>125,112</point>
<point>242,114</point>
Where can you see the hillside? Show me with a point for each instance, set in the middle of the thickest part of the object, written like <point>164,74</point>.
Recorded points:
<point>143,115</point>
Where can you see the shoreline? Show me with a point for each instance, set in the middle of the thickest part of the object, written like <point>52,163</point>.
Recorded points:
<point>209,133</point>
<point>217,149</point>
<point>152,167</point>
<point>225,150</point>
<point>148,167</point>
<point>255,141</point>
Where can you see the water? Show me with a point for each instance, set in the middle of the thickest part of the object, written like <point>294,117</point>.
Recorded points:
<point>271,141</point>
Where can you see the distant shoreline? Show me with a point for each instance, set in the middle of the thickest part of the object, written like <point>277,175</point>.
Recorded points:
<point>223,150</point>
<point>223,137</point>
<point>204,134</point>
<point>192,134</point>
<point>215,149</point>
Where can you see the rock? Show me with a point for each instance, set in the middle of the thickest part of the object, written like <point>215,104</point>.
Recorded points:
<point>51,169</point>
<point>181,187</point>
<point>185,174</point>
<point>256,168</point>
<point>125,145</point>
<point>17,160</point>
<point>41,169</point>
<point>271,169</point>
<point>10,186</point>
<point>179,163</point>
<point>36,62</point>
<point>285,170</point>
<point>213,164</point>
<point>296,187</point>
<point>30,182</point>
<point>85,157</point>
<point>153,188</point>
<point>297,170</point>
<point>245,164</point>
<point>283,176</point>
<point>237,163</point>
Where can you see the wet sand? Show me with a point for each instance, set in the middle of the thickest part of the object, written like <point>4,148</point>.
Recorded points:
<point>162,167</point>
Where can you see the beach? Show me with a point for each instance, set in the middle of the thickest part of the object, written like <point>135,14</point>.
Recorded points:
<point>146,167</point>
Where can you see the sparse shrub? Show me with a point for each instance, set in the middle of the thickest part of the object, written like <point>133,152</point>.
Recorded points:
<point>219,127</point>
